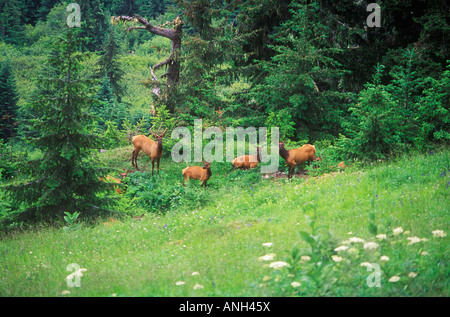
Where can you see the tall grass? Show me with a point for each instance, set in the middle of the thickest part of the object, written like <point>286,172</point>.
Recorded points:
<point>224,241</point>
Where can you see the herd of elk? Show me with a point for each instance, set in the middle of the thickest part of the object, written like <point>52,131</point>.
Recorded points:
<point>293,158</point>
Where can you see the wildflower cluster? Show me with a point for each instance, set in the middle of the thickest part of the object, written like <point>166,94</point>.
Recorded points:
<point>320,270</point>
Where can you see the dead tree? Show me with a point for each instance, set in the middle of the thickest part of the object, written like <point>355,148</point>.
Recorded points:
<point>172,63</point>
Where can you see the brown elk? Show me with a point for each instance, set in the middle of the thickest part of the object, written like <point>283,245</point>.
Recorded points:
<point>149,147</point>
<point>248,161</point>
<point>296,157</point>
<point>198,172</point>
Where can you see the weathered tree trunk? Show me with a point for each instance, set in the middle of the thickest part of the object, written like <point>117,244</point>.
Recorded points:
<point>173,61</point>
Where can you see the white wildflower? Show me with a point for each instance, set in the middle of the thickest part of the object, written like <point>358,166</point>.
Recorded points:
<point>413,240</point>
<point>180,283</point>
<point>295,284</point>
<point>365,264</point>
<point>267,257</point>
<point>305,258</point>
<point>397,231</point>
<point>356,240</point>
<point>267,244</point>
<point>337,258</point>
<point>394,279</point>
<point>198,286</point>
<point>278,264</point>
<point>439,233</point>
<point>370,245</point>
<point>341,248</point>
<point>384,258</point>
<point>195,273</point>
<point>412,274</point>
<point>381,236</point>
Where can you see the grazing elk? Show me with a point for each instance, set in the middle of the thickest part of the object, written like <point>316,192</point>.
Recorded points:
<point>149,147</point>
<point>197,172</point>
<point>296,157</point>
<point>248,161</point>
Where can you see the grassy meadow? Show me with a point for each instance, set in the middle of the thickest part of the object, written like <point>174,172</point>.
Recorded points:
<point>247,235</point>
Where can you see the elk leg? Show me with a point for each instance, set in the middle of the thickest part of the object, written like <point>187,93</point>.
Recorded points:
<point>153,166</point>
<point>158,165</point>
<point>134,156</point>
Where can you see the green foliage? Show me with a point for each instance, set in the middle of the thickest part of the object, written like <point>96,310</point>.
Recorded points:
<point>302,66</point>
<point>10,21</point>
<point>318,226</point>
<point>303,74</point>
<point>374,128</point>
<point>8,102</point>
<point>109,65</point>
<point>71,221</point>
<point>66,178</point>
<point>433,111</point>
<point>109,108</point>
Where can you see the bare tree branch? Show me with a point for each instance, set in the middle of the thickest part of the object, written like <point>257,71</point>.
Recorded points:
<point>172,62</point>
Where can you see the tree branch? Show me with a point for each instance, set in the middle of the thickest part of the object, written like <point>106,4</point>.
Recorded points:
<point>169,33</point>
<point>135,27</point>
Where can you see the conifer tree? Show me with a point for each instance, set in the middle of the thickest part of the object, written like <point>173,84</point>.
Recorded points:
<point>108,63</point>
<point>303,76</point>
<point>8,102</point>
<point>66,178</point>
<point>11,27</point>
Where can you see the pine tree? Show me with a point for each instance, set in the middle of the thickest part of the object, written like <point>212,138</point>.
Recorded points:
<point>8,102</point>
<point>109,108</point>
<point>66,178</point>
<point>108,63</point>
<point>95,23</point>
<point>303,76</point>
<point>373,124</point>
<point>11,27</point>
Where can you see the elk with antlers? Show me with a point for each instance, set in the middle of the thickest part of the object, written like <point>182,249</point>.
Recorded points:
<point>149,147</point>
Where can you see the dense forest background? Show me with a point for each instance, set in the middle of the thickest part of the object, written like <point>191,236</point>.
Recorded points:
<point>312,68</point>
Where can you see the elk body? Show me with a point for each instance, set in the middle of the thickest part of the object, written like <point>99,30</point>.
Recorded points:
<point>198,172</point>
<point>296,157</point>
<point>152,148</point>
<point>247,161</point>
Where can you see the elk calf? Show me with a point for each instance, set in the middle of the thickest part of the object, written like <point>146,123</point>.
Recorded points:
<point>247,161</point>
<point>149,147</point>
<point>296,157</point>
<point>198,172</point>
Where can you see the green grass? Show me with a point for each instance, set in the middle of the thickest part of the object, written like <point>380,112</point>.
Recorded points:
<point>219,233</point>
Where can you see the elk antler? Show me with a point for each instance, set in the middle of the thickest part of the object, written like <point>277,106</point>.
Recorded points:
<point>158,134</point>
